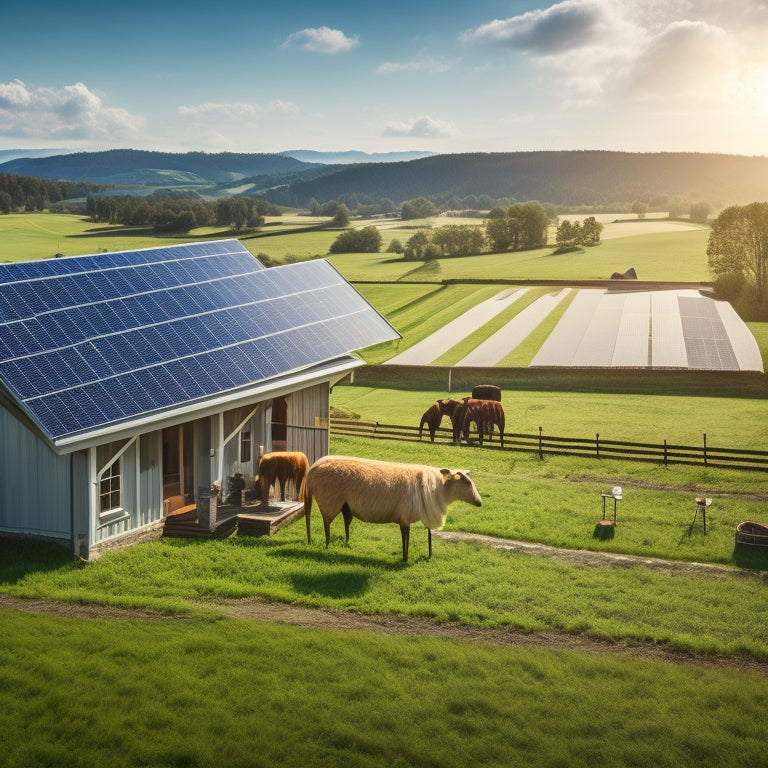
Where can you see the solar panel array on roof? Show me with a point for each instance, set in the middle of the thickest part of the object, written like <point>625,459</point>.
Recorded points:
<point>90,341</point>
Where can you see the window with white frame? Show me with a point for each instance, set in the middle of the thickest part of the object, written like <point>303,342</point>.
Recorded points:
<point>109,488</point>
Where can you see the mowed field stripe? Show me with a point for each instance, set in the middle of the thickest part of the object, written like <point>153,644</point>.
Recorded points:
<point>501,343</point>
<point>436,344</point>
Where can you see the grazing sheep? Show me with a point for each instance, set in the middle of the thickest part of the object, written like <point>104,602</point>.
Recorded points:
<point>280,467</point>
<point>484,413</point>
<point>384,492</point>
<point>433,416</point>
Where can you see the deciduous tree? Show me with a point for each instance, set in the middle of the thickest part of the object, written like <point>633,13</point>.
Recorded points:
<point>738,257</point>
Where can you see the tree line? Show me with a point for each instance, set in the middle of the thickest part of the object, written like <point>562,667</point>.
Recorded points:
<point>168,212</point>
<point>19,194</point>
<point>517,227</point>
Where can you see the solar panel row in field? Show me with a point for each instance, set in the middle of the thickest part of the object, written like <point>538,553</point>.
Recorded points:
<point>90,341</point>
<point>660,329</point>
<point>562,344</point>
<point>743,342</point>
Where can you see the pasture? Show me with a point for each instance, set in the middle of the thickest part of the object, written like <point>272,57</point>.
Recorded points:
<point>168,693</point>
<point>732,422</point>
<point>574,661</point>
<point>558,642</point>
<point>676,255</point>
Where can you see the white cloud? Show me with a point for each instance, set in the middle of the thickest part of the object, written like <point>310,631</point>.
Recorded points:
<point>422,128</point>
<point>280,107</point>
<point>672,54</point>
<point>72,112</point>
<point>419,64</point>
<point>550,31</point>
<point>688,60</point>
<point>321,40</point>
<point>220,111</point>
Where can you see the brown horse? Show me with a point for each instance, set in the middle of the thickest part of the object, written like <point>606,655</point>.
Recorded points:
<point>484,413</point>
<point>433,416</point>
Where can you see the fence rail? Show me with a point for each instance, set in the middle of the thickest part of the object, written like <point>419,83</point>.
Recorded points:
<point>596,447</point>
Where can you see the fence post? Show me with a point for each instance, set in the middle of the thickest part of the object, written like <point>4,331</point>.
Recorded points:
<point>597,444</point>
<point>705,449</point>
<point>665,451</point>
<point>450,370</point>
<point>541,453</point>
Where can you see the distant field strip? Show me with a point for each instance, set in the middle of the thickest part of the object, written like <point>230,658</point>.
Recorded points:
<point>606,329</point>
<point>429,349</point>
<point>501,343</point>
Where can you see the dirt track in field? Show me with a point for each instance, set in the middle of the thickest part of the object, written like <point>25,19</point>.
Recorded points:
<point>256,609</point>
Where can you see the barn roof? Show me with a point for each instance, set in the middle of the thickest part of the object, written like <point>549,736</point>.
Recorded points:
<point>88,343</point>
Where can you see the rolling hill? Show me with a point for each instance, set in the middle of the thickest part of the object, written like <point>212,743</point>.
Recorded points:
<point>565,178</point>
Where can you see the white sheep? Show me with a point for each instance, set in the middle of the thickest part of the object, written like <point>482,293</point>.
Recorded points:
<point>384,492</point>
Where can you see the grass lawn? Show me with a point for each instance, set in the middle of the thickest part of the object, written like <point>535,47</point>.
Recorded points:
<point>167,693</point>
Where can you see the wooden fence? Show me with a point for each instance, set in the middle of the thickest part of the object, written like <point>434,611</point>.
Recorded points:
<point>596,447</point>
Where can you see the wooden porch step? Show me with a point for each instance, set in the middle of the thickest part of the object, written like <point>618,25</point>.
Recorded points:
<point>253,520</point>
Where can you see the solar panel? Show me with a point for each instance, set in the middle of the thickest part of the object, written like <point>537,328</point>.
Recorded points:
<point>89,341</point>
<point>706,339</point>
<point>561,345</point>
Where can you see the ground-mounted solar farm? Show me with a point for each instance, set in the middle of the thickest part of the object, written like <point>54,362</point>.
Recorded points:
<point>604,328</point>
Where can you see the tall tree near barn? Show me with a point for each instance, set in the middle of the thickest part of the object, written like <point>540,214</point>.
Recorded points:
<point>738,257</point>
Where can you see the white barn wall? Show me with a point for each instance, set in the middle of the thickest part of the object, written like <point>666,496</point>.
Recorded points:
<point>35,496</point>
<point>308,413</point>
<point>150,478</point>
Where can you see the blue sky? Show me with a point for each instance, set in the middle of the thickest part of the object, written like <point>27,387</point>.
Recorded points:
<point>481,76</point>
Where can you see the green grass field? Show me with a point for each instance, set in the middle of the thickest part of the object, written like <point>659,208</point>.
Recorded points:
<point>213,691</point>
<point>661,256</point>
<point>734,422</point>
<point>233,693</point>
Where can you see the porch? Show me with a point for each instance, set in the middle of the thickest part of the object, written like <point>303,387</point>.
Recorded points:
<point>209,519</point>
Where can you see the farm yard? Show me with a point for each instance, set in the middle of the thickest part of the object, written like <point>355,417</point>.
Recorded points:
<point>646,648</point>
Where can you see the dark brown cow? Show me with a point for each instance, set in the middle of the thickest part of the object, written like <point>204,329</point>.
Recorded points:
<point>433,416</point>
<point>484,413</point>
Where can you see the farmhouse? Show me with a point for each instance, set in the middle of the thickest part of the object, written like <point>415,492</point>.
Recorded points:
<point>131,379</point>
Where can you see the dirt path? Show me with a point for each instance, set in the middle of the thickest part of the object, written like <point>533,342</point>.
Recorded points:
<point>256,609</point>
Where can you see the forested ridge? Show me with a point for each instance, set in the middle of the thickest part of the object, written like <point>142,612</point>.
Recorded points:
<point>563,178</point>
<point>105,166</point>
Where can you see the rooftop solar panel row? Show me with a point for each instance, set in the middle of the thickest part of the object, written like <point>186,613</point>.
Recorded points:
<point>89,341</point>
